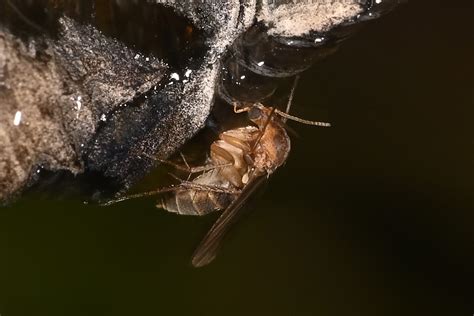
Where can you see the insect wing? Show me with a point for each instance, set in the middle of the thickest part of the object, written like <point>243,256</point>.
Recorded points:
<point>207,249</point>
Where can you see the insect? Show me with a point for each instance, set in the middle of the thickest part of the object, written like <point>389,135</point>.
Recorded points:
<point>238,163</point>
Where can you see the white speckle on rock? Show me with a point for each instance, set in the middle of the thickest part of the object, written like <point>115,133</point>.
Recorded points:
<point>78,105</point>
<point>174,76</point>
<point>17,118</point>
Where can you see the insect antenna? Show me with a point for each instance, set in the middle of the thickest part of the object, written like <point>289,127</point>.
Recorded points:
<point>300,120</point>
<point>286,116</point>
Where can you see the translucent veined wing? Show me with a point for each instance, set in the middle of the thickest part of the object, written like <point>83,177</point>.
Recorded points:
<point>209,246</point>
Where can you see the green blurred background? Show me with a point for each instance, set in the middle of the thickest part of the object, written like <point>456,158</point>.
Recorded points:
<point>371,217</point>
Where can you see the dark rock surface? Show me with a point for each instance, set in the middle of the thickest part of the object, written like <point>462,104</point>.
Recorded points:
<point>60,91</point>
<point>81,101</point>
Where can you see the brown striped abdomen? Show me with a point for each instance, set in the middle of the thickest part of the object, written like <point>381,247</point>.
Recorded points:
<point>185,201</point>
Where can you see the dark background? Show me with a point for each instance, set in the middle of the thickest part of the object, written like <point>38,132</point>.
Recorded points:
<point>371,217</point>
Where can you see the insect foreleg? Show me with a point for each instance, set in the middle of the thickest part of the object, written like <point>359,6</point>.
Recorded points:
<point>240,110</point>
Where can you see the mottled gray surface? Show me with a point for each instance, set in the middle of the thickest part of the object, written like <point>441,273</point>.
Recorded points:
<point>89,102</point>
<point>180,106</point>
<point>62,88</point>
<point>296,18</point>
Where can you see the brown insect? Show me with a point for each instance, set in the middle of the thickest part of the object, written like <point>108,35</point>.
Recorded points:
<point>239,161</point>
<point>238,157</point>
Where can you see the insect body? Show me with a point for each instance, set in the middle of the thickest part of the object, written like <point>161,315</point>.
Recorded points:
<point>236,158</point>
<point>239,161</point>
<point>260,151</point>
<point>263,151</point>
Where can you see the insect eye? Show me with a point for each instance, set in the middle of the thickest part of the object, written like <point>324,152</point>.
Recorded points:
<point>254,113</point>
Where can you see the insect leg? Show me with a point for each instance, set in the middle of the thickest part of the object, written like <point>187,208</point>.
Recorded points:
<point>242,109</point>
<point>262,130</point>
<point>186,168</point>
<point>191,185</point>
<point>187,185</point>
<point>292,93</point>
<point>208,187</point>
<point>139,195</point>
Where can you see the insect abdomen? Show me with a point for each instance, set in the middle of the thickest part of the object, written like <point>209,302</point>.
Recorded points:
<point>196,201</point>
<point>192,202</point>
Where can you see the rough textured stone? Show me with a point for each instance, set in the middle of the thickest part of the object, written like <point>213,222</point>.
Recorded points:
<point>181,104</point>
<point>89,103</point>
<point>63,88</point>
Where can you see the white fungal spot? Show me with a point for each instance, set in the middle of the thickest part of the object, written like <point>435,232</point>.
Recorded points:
<point>242,77</point>
<point>78,105</point>
<point>260,64</point>
<point>103,118</point>
<point>17,118</point>
<point>174,76</point>
<point>187,73</point>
